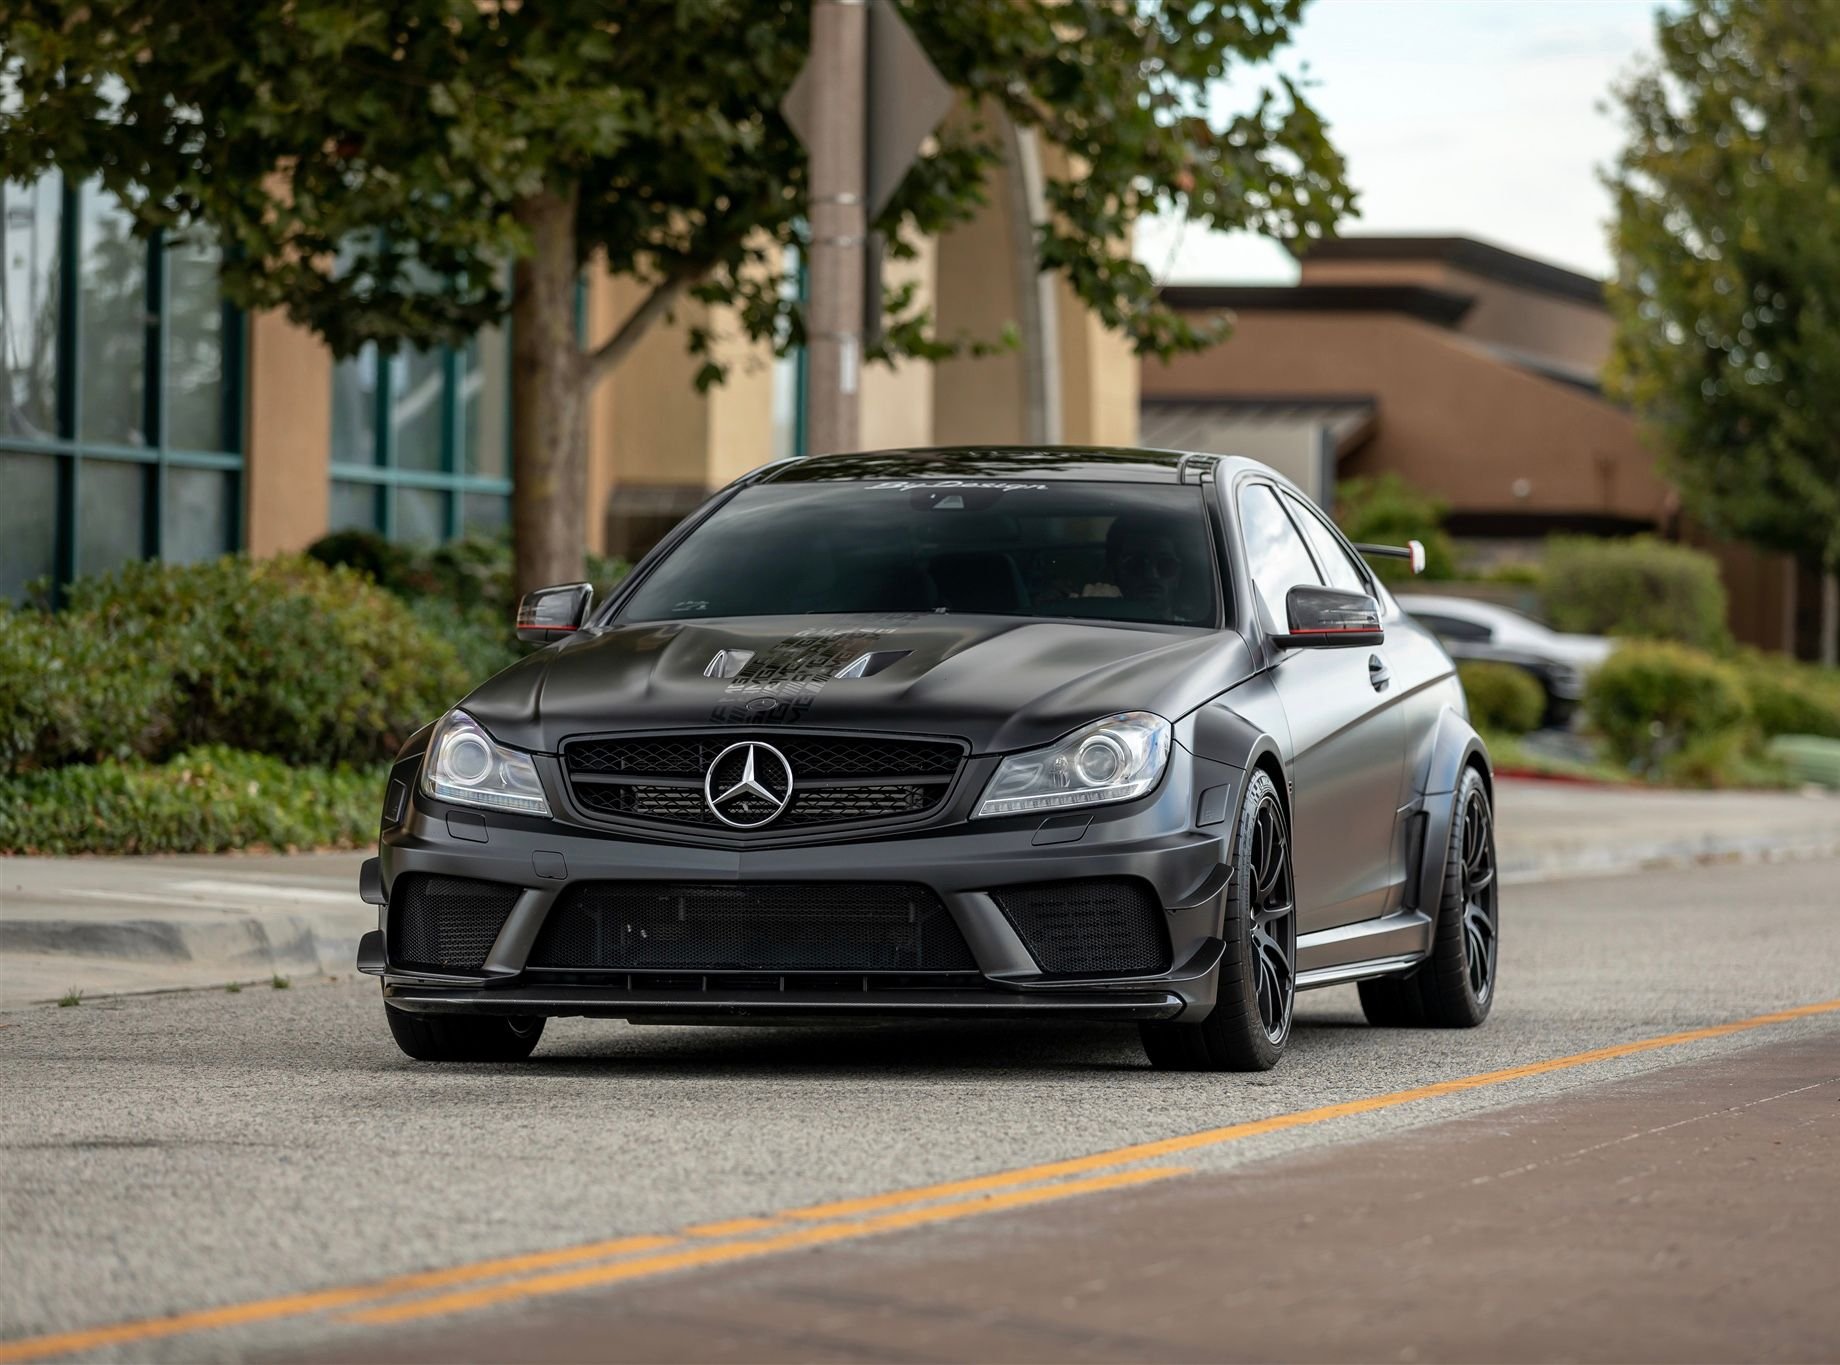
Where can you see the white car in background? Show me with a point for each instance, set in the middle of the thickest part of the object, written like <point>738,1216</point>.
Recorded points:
<point>1482,631</point>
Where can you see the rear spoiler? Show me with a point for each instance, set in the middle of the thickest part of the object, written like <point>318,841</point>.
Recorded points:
<point>1413,550</point>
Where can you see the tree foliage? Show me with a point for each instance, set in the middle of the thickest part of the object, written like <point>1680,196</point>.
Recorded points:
<point>1728,291</point>
<point>374,166</point>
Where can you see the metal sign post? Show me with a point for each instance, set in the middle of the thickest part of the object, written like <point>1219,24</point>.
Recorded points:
<point>866,100</point>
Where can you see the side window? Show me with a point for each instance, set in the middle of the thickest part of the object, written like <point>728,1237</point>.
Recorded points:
<point>1452,628</point>
<point>1275,552</point>
<point>1341,571</point>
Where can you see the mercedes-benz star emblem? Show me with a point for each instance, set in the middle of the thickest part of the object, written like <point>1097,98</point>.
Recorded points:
<point>748,785</point>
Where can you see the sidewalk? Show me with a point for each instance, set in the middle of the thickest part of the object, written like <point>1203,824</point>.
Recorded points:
<point>111,925</point>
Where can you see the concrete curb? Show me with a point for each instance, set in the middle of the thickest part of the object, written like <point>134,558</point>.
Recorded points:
<point>206,950</point>
<point>1599,861</point>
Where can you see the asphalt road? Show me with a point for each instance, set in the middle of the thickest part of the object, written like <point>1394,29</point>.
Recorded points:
<point>262,1161</point>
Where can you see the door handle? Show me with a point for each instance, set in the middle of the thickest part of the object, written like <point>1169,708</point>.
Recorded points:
<point>1377,673</point>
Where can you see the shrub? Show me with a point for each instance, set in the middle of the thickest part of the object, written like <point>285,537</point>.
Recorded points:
<point>475,571</point>
<point>1639,587</point>
<point>79,694</point>
<point>1789,698</point>
<point>1387,510</point>
<point>1652,701</point>
<point>280,656</point>
<point>204,801</point>
<point>1502,698</point>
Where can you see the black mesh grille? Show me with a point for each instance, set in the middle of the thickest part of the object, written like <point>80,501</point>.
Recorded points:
<point>608,777</point>
<point>1106,927</point>
<point>762,926</point>
<point>811,756</point>
<point>447,923</point>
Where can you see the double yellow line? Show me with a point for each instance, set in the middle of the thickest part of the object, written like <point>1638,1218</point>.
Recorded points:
<point>505,1279</point>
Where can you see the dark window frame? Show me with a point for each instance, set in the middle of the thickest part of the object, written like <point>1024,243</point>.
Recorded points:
<point>71,450</point>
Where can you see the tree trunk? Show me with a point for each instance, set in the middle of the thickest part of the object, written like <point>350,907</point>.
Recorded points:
<point>548,400</point>
<point>1830,618</point>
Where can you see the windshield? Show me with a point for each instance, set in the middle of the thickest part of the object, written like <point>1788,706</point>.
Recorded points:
<point>1099,551</point>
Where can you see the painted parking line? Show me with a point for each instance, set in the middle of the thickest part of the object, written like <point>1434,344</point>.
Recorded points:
<point>536,1274</point>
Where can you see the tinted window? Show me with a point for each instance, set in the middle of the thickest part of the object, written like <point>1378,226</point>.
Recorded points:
<point>1120,552</point>
<point>1337,566</point>
<point>1451,628</point>
<point>1275,552</point>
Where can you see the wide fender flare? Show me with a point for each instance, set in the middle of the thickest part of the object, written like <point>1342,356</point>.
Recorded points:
<point>1455,747</point>
<point>1219,735</point>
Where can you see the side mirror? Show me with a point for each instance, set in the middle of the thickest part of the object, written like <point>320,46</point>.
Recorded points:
<point>1330,618</point>
<point>548,614</point>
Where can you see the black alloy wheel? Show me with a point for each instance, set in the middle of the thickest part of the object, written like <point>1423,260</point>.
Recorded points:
<point>1455,986</point>
<point>1256,991</point>
<point>1274,920</point>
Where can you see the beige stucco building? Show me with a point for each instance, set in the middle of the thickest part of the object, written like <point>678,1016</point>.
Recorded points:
<point>141,418</point>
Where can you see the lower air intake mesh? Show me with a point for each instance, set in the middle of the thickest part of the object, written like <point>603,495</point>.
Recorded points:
<point>754,927</point>
<point>447,924</point>
<point>1105,927</point>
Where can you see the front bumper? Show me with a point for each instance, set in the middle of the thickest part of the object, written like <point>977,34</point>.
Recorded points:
<point>1172,840</point>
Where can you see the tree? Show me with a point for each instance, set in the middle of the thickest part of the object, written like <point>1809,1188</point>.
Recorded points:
<point>406,171</point>
<point>1727,297</point>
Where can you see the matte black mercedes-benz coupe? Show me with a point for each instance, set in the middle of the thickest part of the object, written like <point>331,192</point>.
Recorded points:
<point>1082,733</point>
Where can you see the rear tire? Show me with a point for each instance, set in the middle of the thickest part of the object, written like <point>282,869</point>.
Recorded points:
<point>1257,981</point>
<point>1455,986</point>
<point>464,1037</point>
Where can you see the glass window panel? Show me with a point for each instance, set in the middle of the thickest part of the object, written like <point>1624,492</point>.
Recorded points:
<point>485,402</point>
<point>195,515</point>
<point>417,393</point>
<point>111,324</point>
<point>485,512</point>
<point>354,409</point>
<point>28,521</point>
<point>421,515</point>
<point>110,497</point>
<point>29,218</point>
<point>1341,571</point>
<point>1275,553</point>
<point>194,347</point>
<point>354,506</point>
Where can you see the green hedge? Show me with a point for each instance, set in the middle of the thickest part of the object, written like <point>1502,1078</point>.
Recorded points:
<point>1386,510</point>
<point>281,656</point>
<point>1652,701</point>
<point>1790,698</point>
<point>464,590</point>
<point>1640,587</point>
<point>207,800</point>
<point>1502,698</point>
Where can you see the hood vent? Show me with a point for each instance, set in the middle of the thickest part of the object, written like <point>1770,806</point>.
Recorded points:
<point>868,665</point>
<point>725,663</point>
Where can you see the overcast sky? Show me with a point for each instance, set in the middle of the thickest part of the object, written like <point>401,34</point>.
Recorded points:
<point>1477,117</point>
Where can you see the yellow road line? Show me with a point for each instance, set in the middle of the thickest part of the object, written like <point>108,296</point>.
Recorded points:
<point>732,1227</point>
<point>568,1281</point>
<point>1212,1137</point>
<point>293,1305</point>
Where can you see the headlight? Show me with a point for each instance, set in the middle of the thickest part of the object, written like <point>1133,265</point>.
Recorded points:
<point>467,766</point>
<point>1110,760</point>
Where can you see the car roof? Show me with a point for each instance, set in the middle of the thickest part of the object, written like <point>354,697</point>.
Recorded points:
<point>1111,464</point>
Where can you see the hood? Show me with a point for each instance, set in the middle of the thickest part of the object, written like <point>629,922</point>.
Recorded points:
<point>1000,683</point>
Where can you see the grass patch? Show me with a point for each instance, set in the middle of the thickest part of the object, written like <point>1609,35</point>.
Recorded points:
<point>1507,752</point>
<point>280,983</point>
<point>71,997</point>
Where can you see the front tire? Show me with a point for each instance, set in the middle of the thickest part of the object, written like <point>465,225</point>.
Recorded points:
<point>464,1037</point>
<point>1257,990</point>
<point>1455,986</point>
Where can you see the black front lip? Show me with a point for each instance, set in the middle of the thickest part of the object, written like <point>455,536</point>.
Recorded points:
<point>732,1006</point>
